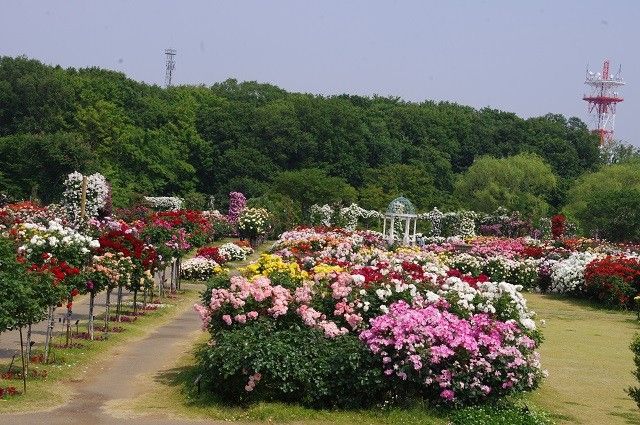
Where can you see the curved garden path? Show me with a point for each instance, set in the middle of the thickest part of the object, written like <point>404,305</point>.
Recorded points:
<point>121,378</point>
<point>124,375</point>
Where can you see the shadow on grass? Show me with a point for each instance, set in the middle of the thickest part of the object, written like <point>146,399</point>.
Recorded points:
<point>629,418</point>
<point>590,304</point>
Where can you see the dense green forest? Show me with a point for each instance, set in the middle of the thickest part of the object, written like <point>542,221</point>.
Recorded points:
<point>259,139</point>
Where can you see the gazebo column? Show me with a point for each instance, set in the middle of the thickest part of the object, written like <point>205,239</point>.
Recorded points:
<point>393,229</point>
<point>384,227</point>
<point>415,224</point>
<point>406,230</point>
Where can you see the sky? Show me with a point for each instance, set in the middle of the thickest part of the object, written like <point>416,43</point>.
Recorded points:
<point>527,57</point>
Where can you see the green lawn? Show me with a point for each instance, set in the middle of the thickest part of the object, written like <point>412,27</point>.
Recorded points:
<point>586,351</point>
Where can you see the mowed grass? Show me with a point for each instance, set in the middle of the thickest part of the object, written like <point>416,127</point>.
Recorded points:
<point>75,364</point>
<point>586,352</point>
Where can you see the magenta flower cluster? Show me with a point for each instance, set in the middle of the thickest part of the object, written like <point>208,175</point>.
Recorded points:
<point>458,360</point>
<point>237,204</point>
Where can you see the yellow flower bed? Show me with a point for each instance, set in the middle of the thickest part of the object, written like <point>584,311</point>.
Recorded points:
<point>327,268</point>
<point>268,264</point>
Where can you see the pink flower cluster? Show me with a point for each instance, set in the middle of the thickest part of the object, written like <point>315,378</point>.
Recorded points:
<point>253,380</point>
<point>458,359</point>
<point>178,241</point>
<point>341,287</point>
<point>315,319</point>
<point>489,247</point>
<point>245,300</point>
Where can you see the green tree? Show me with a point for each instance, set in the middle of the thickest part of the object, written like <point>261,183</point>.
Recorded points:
<point>36,165</point>
<point>520,183</point>
<point>310,186</point>
<point>284,212</point>
<point>607,202</point>
<point>388,182</point>
<point>617,152</point>
<point>240,135</point>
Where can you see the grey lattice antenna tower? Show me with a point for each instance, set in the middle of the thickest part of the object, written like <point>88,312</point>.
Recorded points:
<point>171,65</point>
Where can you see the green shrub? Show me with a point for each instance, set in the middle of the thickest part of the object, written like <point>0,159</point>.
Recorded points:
<point>195,201</point>
<point>284,213</point>
<point>526,274</point>
<point>607,202</point>
<point>222,228</point>
<point>634,392</point>
<point>296,364</point>
<point>502,414</point>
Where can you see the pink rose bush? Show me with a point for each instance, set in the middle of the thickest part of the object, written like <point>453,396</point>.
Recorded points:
<point>453,359</point>
<point>245,300</point>
<point>419,325</point>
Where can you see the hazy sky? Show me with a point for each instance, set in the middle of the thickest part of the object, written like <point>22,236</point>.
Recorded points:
<point>528,57</point>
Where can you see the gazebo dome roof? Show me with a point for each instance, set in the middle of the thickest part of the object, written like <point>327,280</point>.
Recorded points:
<point>401,205</point>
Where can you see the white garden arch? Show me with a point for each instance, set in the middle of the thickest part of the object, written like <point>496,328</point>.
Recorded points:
<point>400,222</point>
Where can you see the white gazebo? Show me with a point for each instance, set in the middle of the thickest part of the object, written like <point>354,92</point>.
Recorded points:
<point>400,222</point>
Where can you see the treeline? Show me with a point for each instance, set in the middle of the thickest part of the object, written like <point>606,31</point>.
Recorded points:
<point>196,141</point>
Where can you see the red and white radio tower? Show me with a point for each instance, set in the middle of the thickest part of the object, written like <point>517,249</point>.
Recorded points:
<point>603,99</point>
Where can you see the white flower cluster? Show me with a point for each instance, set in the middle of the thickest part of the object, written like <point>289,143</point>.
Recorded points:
<point>525,272</point>
<point>53,237</point>
<point>96,195</point>
<point>347,217</point>
<point>350,215</point>
<point>321,214</point>
<point>498,265</point>
<point>163,203</point>
<point>199,268</point>
<point>466,223</point>
<point>233,252</point>
<point>486,296</point>
<point>434,216</point>
<point>253,221</point>
<point>568,275</point>
<point>466,263</point>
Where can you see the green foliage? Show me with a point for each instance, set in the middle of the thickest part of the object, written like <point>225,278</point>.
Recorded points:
<point>35,165</point>
<point>297,364</point>
<point>195,201</point>
<point>284,212</point>
<point>411,181</point>
<point>607,202</point>
<point>313,186</point>
<point>522,183</point>
<point>249,137</point>
<point>502,414</point>
<point>616,152</point>
<point>634,392</point>
<point>23,295</point>
<point>222,228</point>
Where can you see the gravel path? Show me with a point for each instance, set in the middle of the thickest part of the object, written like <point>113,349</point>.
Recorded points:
<point>121,377</point>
